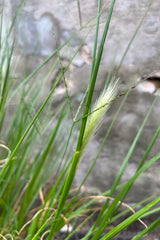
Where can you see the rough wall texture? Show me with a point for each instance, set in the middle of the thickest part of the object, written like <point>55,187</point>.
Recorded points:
<point>40,19</point>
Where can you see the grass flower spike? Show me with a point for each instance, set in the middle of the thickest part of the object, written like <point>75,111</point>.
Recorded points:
<point>98,112</point>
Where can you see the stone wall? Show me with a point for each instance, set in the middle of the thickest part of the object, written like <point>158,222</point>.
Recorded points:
<point>41,18</point>
<point>44,25</point>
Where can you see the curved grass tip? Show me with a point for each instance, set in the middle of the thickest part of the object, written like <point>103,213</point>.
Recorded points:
<point>4,160</point>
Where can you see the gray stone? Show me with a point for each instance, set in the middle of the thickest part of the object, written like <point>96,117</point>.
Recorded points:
<point>35,37</point>
<point>38,37</point>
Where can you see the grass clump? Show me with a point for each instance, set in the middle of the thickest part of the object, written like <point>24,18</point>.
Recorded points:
<point>37,158</point>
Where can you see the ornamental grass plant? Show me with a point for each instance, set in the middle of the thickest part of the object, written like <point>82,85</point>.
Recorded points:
<point>38,162</point>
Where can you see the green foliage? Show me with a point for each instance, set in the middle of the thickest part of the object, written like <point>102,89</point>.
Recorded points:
<point>38,161</point>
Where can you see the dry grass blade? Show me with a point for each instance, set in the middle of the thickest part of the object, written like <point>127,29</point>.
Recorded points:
<point>122,203</point>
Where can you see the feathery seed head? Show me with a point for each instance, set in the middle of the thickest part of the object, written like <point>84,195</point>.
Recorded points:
<point>97,114</point>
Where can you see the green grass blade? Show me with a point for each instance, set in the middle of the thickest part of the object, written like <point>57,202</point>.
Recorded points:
<point>96,36</point>
<point>116,230</point>
<point>93,78</point>
<point>43,105</point>
<point>1,24</point>
<point>32,186</point>
<point>76,156</point>
<point>149,147</point>
<point>130,220</point>
<point>154,225</point>
<point>117,180</point>
<point>99,151</point>
<point>123,167</point>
